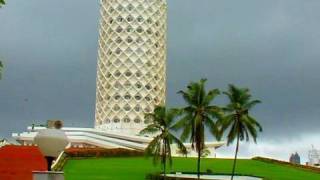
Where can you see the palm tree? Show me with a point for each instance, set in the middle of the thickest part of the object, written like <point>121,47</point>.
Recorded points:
<point>2,2</point>
<point>198,114</point>
<point>238,121</point>
<point>1,67</point>
<point>159,147</point>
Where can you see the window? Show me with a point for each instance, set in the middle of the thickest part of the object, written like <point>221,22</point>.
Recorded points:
<point>127,84</point>
<point>120,7</point>
<point>139,30</point>
<point>148,87</point>
<point>129,18</point>
<point>138,74</point>
<point>148,98</point>
<point>119,29</point>
<point>118,51</point>
<point>127,97</point>
<point>138,85</point>
<point>116,120</point>
<point>149,21</point>
<point>126,120</point>
<point>139,40</point>
<point>137,120</point>
<point>111,10</point>
<point>149,31</point>
<point>117,97</point>
<point>147,109</point>
<point>129,29</point>
<point>140,19</point>
<point>137,108</point>
<point>116,108</point>
<point>127,108</point>
<point>117,85</point>
<point>129,40</point>
<point>137,97</point>
<point>130,7</point>
<point>119,19</point>
<point>119,40</point>
<point>128,73</point>
<point>117,73</point>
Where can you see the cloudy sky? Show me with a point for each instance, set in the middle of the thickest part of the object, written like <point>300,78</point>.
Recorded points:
<point>49,49</point>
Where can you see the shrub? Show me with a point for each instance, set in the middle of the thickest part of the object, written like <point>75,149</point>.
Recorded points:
<point>275,161</point>
<point>101,152</point>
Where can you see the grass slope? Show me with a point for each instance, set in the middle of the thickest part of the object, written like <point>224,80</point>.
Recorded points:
<point>135,168</point>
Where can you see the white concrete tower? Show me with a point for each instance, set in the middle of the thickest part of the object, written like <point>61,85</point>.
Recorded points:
<point>131,77</point>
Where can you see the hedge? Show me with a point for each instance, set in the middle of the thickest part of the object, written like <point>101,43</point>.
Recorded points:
<point>94,152</point>
<point>101,152</point>
<point>275,161</point>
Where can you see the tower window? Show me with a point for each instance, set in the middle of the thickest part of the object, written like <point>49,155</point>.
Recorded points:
<point>137,120</point>
<point>128,73</point>
<point>129,18</point>
<point>116,120</point>
<point>148,87</point>
<point>126,120</point>
<point>119,19</point>
<point>117,97</point>
<point>127,108</point>
<point>140,19</point>
<point>129,40</point>
<point>119,29</point>
<point>137,108</point>
<point>127,97</point>
<point>148,98</point>
<point>139,30</point>
<point>137,97</point>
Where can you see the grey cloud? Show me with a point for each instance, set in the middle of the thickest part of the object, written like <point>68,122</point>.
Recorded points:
<point>50,51</point>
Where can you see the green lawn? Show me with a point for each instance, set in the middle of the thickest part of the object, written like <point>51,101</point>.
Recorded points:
<point>135,168</point>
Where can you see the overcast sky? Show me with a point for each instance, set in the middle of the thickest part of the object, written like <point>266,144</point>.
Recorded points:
<point>49,49</point>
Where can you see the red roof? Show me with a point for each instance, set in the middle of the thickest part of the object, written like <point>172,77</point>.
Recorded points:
<point>18,162</point>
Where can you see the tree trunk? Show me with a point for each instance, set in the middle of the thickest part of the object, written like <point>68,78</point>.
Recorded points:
<point>164,160</point>
<point>164,169</point>
<point>235,157</point>
<point>198,168</point>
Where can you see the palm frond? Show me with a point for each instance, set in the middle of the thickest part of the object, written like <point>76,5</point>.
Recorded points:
<point>251,104</point>
<point>180,145</point>
<point>150,129</point>
<point>210,96</point>
<point>212,126</point>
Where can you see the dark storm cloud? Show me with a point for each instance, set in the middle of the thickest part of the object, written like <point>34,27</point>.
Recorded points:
<point>50,49</point>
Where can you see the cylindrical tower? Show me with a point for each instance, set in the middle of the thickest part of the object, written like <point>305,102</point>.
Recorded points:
<point>131,77</point>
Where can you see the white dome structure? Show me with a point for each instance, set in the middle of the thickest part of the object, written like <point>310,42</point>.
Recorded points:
<point>131,77</point>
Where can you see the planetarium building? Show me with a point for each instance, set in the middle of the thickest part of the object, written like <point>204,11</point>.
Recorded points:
<point>131,73</point>
<point>131,77</point>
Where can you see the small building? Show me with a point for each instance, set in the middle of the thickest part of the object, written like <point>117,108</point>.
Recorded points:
<point>294,158</point>
<point>314,157</point>
<point>90,137</point>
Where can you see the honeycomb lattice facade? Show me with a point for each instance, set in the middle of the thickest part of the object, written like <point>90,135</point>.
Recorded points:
<point>131,77</point>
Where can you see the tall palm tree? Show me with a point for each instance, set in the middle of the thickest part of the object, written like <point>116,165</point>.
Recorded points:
<point>2,2</point>
<point>159,147</point>
<point>238,122</point>
<point>1,69</point>
<point>197,115</point>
